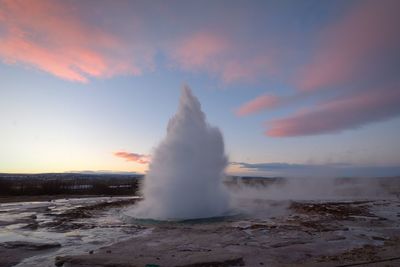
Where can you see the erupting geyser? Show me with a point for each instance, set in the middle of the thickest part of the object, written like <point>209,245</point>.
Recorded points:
<point>184,180</point>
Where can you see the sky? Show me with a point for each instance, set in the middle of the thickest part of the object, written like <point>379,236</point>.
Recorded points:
<point>296,87</point>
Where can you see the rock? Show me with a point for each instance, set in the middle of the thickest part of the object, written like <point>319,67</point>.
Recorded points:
<point>378,238</point>
<point>223,263</point>
<point>59,261</point>
<point>30,245</point>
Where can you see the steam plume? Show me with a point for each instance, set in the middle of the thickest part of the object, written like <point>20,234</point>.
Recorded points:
<point>185,176</point>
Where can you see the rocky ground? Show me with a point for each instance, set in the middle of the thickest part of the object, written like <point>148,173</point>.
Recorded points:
<point>32,233</point>
<point>303,233</point>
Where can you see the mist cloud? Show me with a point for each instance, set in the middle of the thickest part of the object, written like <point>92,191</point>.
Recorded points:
<point>330,170</point>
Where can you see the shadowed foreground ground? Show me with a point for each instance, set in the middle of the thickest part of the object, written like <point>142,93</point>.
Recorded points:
<point>96,232</point>
<point>312,234</point>
<point>345,233</point>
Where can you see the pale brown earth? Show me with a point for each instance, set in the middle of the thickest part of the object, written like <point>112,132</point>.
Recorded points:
<point>313,233</point>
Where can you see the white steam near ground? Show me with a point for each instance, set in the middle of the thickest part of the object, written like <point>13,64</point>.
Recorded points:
<point>274,197</point>
<point>186,174</point>
<point>313,188</point>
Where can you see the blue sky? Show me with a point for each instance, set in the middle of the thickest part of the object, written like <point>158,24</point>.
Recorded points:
<point>294,82</point>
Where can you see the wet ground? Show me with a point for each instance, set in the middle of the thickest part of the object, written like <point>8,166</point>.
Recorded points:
<point>34,233</point>
<point>97,232</point>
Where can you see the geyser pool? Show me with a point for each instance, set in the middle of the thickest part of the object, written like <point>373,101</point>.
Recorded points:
<point>185,175</point>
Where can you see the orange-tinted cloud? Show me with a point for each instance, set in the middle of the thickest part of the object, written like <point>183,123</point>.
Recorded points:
<point>354,48</point>
<point>54,37</point>
<point>343,113</point>
<point>139,158</point>
<point>258,104</point>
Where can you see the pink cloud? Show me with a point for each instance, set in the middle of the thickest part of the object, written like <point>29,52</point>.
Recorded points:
<point>139,158</point>
<point>250,68</point>
<point>220,55</point>
<point>368,32</point>
<point>355,51</point>
<point>200,51</point>
<point>258,104</point>
<point>51,36</point>
<point>76,42</point>
<point>340,114</point>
